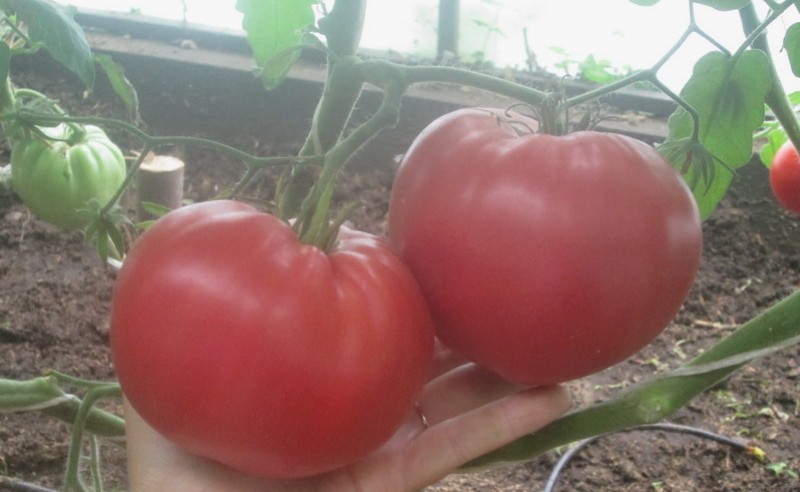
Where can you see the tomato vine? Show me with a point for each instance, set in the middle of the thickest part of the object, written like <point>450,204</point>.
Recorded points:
<point>725,97</point>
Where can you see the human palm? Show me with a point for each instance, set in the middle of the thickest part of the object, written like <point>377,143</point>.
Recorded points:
<point>467,412</point>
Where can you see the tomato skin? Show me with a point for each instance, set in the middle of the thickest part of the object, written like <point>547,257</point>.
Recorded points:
<point>57,179</point>
<point>784,177</point>
<point>275,358</point>
<point>543,258</point>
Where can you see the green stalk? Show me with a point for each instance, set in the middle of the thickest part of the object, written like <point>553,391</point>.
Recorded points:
<point>420,74</point>
<point>43,394</point>
<point>8,104</point>
<point>776,98</point>
<point>657,398</point>
<point>343,26</point>
<point>252,162</point>
<point>313,225</point>
<point>98,422</point>
<point>72,478</point>
<point>342,89</point>
<point>7,99</point>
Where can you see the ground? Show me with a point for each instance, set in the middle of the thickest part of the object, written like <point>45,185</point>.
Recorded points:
<point>54,304</point>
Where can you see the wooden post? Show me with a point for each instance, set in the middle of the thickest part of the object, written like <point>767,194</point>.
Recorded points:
<point>160,181</point>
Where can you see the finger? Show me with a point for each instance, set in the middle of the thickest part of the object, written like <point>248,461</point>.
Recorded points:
<point>442,448</point>
<point>444,360</point>
<point>146,449</point>
<point>460,390</point>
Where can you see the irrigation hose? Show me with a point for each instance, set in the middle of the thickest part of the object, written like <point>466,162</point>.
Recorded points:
<point>577,447</point>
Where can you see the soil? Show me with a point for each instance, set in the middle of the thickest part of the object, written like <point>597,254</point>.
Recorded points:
<point>54,304</point>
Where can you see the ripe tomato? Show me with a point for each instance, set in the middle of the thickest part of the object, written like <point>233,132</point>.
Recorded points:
<point>543,258</point>
<point>273,357</point>
<point>58,178</point>
<point>784,177</point>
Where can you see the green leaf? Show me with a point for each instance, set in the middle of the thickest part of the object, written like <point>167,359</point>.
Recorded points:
<point>728,94</point>
<point>655,398</point>
<point>724,5</point>
<point>53,26</point>
<point>275,31</point>
<point>122,87</point>
<point>791,42</point>
<point>646,3</point>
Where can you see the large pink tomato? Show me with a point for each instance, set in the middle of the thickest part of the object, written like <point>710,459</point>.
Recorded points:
<point>241,344</point>
<point>543,258</point>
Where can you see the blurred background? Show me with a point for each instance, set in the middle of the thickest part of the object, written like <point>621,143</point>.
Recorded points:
<point>579,38</point>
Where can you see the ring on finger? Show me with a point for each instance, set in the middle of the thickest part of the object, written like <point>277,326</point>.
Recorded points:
<point>422,416</point>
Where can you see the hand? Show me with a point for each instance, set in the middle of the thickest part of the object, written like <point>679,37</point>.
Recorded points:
<point>467,413</point>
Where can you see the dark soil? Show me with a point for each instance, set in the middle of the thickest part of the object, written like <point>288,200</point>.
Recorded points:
<point>54,304</point>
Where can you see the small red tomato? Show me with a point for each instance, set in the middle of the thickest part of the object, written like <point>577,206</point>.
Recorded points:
<point>784,177</point>
<point>276,358</point>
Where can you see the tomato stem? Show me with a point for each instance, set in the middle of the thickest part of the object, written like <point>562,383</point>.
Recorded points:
<point>333,111</point>
<point>312,224</point>
<point>7,96</point>
<point>44,395</point>
<point>93,395</point>
<point>343,26</point>
<point>469,78</point>
<point>7,104</point>
<point>776,98</point>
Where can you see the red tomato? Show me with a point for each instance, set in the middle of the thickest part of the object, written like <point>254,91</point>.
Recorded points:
<point>543,258</point>
<point>784,177</point>
<point>273,357</point>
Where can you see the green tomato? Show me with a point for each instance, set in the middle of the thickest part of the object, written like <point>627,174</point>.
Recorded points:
<point>57,179</point>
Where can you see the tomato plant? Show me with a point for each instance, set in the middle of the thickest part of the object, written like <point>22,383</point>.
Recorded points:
<point>543,258</point>
<point>58,176</point>
<point>271,356</point>
<point>784,177</point>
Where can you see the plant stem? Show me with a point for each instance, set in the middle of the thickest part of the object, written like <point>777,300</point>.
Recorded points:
<point>695,137</point>
<point>43,394</point>
<point>72,477</point>
<point>342,89</point>
<point>343,26</point>
<point>631,79</point>
<point>252,162</point>
<point>7,104</point>
<point>153,142</point>
<point>656,398</point>
<point>776,98</point>
<point>312,225</point>
<point>331,115</point>
<point>454,75</point>
<point>7,99</point>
